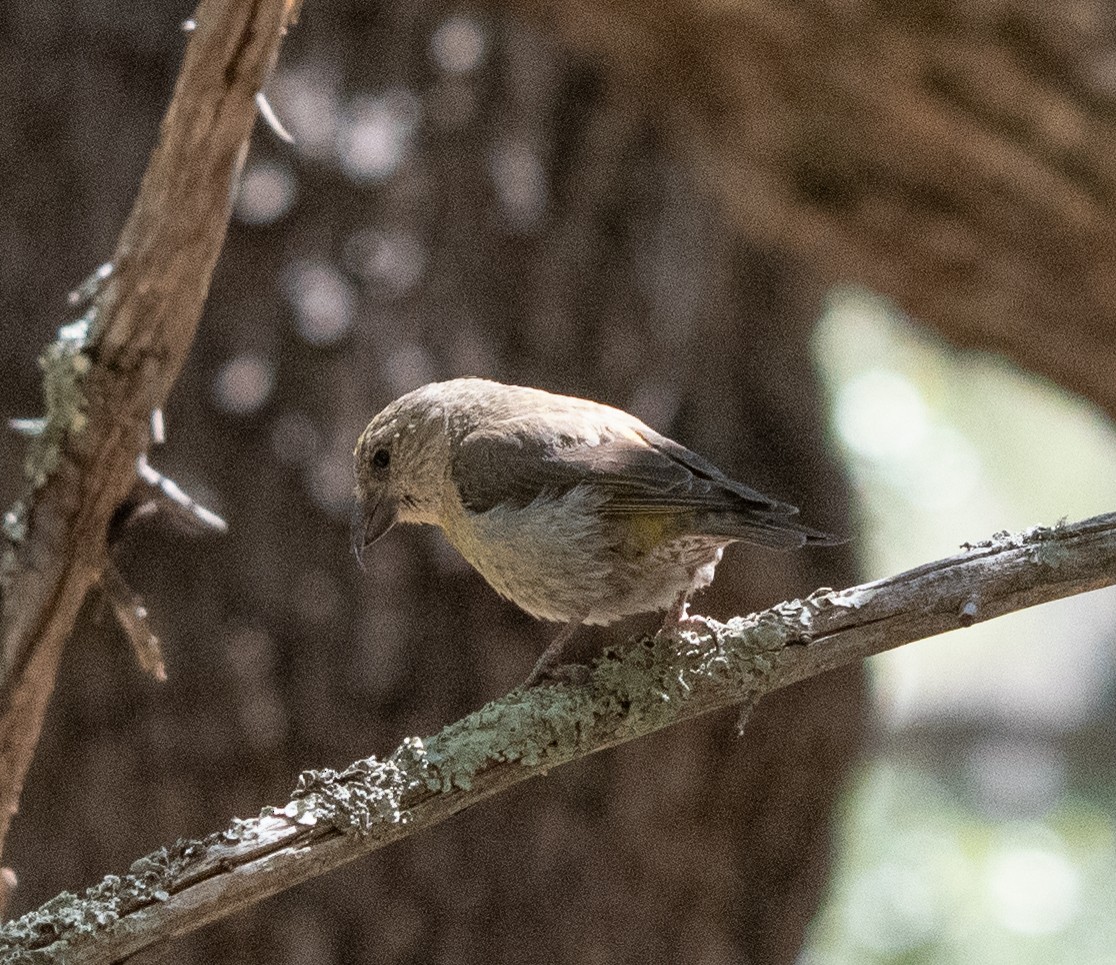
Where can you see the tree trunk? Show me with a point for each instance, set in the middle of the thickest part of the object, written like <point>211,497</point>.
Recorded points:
<point>535,230</point>
<point>956,156</point>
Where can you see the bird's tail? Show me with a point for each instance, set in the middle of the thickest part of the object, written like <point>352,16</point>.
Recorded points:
<point>775,531</point>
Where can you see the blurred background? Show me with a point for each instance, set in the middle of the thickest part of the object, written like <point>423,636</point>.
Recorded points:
<point>981,828</point>
<point>867,298</point>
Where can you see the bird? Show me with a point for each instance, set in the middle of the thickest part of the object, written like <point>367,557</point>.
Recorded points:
<point>575,511</point>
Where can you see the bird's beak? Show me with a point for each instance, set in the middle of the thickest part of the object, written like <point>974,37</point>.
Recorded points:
<point>370,523</point>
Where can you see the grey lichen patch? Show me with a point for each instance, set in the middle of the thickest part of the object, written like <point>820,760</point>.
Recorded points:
<point>88,290</point>
<point>44,934</point>
<point>1052,552</point>
<point>629,693</point>
<point>50,930</point>
<point>852,598</point>
<point>34,937</point>
<point>64,363</point>
<point>648,684</point>
<point>1044,542</point>
<point>367,794</point>
<point>15,522</point>
<point>55,929</point>
<point>826,598</point>
<point>998,541</point>
<point>533,727</point>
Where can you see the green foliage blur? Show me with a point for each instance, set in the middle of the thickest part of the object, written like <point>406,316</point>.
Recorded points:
<point>981,829</point>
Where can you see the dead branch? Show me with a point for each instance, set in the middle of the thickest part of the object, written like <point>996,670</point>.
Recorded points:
<point>333,818</point>
<point>109,370</point>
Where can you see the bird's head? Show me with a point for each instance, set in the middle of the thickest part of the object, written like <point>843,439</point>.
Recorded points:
<point>401,463</point>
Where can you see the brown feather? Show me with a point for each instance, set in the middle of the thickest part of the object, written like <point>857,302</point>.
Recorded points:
<point>641,472</point>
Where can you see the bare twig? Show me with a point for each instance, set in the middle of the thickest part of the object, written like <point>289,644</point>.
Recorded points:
<point>271,119</point>
<point>109,371</point>
<point>154,493</point>
<point>333,817</point>
<point>131,614</point>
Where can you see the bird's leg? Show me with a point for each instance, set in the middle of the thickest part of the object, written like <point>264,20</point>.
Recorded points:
<point>679,611</point>
<point>551,658</point>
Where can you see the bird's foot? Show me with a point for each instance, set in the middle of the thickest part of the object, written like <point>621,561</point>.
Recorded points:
<point>678,618</point>
<point>694,622</point>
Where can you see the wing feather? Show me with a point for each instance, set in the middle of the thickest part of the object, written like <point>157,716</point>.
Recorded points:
<point>640,471</point>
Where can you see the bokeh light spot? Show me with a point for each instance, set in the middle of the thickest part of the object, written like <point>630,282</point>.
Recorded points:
<point>1033,891</point>
<point>394,259</point>
<point>323,299</point>
<point>244,384</point>
<point>459,44</point>
<point>375,140</point>
<point>267,192</point>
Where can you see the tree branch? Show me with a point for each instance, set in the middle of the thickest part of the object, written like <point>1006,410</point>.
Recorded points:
<point>333,818</point>
<point>110,369</point>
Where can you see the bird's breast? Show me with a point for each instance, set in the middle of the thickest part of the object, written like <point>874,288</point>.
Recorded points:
<point>560,558</point>
<point>547,557</point>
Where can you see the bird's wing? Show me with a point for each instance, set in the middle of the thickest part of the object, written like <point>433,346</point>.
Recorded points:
<point>639,471</point>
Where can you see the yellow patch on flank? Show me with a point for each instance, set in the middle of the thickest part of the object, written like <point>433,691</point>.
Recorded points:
<point>648,530</point>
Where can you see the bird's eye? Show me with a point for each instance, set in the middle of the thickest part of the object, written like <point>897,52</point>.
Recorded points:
<point>381,459</point>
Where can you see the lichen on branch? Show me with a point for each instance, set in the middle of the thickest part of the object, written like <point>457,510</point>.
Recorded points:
<point>334,817</point>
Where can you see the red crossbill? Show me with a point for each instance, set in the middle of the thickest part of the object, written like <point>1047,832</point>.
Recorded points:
<point>575,511</point>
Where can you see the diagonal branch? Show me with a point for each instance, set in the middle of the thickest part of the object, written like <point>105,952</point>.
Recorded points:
<point>109,370</point>
<point>334,818</point>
